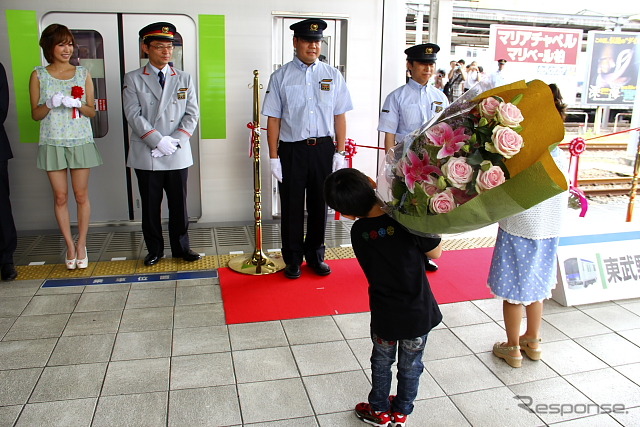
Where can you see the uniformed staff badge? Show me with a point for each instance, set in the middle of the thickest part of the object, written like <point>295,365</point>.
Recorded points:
<point>385,111</point>
<point>428,50</point>
<point>182,95</point>
<point>325,84</point>
<point>183,89</point>
<point>314,27</point>
<point>437,106</point>
<point>165,30</point>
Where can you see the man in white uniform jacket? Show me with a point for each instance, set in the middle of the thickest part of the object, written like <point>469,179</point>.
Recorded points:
<point>161,106</point>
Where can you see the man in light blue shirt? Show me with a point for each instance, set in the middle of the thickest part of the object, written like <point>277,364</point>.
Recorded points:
<point>415,103</point>
<point>305,103</point>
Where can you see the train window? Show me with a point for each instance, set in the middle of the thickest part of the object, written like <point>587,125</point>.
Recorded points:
<point>177,53</point>
<point>90,54</point>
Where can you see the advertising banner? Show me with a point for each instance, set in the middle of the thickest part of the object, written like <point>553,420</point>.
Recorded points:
<point>613,72</point>
<point>536,45</point>
<point>598,268</point>
<point>547,54</point>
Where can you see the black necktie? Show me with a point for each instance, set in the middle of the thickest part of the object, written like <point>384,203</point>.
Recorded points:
<point>161,78</point>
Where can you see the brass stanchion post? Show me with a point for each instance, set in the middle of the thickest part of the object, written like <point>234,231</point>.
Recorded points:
<point>259,262</point>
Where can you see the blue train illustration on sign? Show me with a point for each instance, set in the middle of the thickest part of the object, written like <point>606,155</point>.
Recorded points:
<point>580,272</point>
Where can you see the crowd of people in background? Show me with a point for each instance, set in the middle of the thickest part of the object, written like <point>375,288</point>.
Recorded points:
<point>462,76</point>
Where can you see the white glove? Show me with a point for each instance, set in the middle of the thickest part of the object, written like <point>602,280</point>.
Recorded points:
<point>276,169</point>
<point>156,153</point>
<point>339,162</point>
<point>165,146</point>
<point>54,101</point>
<point>70,102</point>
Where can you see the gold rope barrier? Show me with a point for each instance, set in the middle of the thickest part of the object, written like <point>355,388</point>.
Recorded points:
<point>259,262</point>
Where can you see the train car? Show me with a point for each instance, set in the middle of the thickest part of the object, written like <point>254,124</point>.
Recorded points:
<point>580,272</point>
<point>220,44</point>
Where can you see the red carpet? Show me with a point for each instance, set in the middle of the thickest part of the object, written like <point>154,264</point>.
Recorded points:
<point>462,276</point>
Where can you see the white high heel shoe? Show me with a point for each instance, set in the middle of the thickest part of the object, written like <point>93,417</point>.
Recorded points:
<point>83,263</point>
<point>70,263</point>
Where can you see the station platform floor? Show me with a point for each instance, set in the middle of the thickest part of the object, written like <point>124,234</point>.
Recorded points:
<point>161,354</point>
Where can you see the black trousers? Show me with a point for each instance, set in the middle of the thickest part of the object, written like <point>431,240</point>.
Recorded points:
<point>304,169</point>
<point>152,184</point>
<point>8,235</point>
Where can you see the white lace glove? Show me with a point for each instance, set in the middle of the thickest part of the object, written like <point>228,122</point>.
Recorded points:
<point>70,102</point>
<point>166,146</point>
<point>339,162</point>
<point>276,169</point>
<point>54,101</point>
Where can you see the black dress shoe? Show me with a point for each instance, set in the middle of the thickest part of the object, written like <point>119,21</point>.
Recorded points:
<point>152,259</point>
<point>191,256</point>
<point>321,269</point>
<point>430,265</point>
<point>9,272</point>
<point>292,271</point>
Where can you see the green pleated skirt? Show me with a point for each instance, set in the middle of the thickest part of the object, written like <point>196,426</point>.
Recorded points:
<point>53,158</point>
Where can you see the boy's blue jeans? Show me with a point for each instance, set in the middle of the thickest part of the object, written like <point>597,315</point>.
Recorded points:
<point>410,368</point>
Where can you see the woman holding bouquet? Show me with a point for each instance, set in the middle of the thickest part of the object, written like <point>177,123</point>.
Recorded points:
<point>523,267</point>
<point>62,100</point>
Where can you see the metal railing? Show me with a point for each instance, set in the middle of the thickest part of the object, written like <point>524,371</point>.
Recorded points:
<point>582,128</point>
<point>615,122</point>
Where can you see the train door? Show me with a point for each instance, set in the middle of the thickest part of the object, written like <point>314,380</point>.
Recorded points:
<point>332,52</point>
<point>108,45</point>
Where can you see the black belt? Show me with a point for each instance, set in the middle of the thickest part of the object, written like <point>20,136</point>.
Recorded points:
<point>312,141</point>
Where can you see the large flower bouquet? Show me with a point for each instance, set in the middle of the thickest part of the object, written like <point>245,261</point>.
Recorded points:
<point>484,158</point>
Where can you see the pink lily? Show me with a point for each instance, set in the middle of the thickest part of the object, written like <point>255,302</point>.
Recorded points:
<point>443,135</point>
<point>416,169</point>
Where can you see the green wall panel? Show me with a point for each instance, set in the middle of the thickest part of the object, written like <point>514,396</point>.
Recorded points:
<point>24,36</point>
<point>213,101</point>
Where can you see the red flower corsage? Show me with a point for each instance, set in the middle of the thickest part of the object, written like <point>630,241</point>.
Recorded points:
<point>76,92</point>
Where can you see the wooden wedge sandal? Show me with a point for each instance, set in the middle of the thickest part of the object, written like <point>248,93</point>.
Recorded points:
<point>532,353</point>
<point>502,351</point>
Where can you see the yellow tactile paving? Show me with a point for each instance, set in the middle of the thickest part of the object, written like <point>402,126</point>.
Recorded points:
<point>204,263</point>
<point>209,262</point>
<point>165,264</point>
<point>60,271</point>
<point>474,242</point>
<point>115,268</point>
<point>339,253</point>
<point>34,272</point>
<point>223,260</point>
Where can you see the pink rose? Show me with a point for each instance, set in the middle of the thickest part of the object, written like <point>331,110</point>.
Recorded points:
<point>509,115</point>
<point>490,178</point>
<point>505,141</point>
<point>442,202</point>
<point>430,185</point>
<point>458,171</point>
<point>488,107</point>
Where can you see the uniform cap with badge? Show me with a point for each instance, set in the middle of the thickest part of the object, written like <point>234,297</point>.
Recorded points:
<point>502,61</point>
<point>162,31</point>
<point>309,29</point>
<point>423,53</point>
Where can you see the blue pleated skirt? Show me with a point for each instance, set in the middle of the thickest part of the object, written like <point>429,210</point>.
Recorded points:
<point>523,270</point>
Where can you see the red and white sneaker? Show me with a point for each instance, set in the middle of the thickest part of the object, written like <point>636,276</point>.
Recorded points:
<point>365,413</point>
<point>398,419</point>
